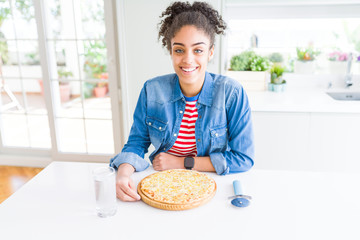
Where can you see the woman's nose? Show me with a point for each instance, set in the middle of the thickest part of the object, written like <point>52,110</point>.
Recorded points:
<point>188,58</point>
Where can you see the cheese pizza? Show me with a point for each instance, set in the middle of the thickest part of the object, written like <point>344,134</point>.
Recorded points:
<point>177,189</point>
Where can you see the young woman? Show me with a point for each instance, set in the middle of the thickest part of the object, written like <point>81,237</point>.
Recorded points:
<point>194,119</point>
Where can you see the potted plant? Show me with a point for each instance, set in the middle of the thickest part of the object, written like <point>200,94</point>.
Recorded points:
<point>32,58</point>
<point>95,59</point>
<point>250,70</point>
<point>276,58</point>
<point>337,63</point>
<point>101,88</point>
<point>64,86</point>
<point>95,67</point>
<point>277,83</point>
<point>304,63</point>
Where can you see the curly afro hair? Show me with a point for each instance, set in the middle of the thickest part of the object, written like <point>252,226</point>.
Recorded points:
<point>200,14</point>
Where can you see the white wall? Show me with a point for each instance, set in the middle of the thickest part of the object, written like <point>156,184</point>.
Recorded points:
<point>291,2</point>
<point>145,57</point>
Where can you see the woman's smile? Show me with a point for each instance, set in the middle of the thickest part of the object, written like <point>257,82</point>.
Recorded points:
<point>190,54</point>
<point>189,70</point>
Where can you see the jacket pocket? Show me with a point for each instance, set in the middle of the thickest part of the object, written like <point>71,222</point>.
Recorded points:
<point>156,131</point>
<point>219,138</point>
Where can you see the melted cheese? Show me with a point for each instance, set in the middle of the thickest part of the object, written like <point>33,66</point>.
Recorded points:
<point>177,186</point>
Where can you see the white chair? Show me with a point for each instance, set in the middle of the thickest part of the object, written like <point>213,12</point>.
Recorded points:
<point>3,88</point>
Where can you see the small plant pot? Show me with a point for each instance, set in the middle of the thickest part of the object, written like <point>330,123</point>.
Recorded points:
<point>64,92</point>
<point>278,80</point>
<point>277,87</point>
<point>100,91</point>
<point>40,81</point>
<point>304,67</point>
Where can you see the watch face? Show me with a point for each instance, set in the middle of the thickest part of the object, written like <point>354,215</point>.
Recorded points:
<point>189,162</point>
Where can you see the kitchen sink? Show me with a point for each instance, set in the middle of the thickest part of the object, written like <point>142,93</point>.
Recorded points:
<point>345,95</point>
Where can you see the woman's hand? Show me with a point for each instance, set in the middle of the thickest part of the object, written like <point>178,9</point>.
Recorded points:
<point>166,161</point>
<point>125,187</point>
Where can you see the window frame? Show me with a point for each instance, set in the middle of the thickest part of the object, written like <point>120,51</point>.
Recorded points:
<point>115,94</point>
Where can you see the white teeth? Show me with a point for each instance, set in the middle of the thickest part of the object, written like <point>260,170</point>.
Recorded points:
<point>189,69</point>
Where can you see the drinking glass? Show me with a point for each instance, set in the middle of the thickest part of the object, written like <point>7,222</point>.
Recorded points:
<point>105,191</point>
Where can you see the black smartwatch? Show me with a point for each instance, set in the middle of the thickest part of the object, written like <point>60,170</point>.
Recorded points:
<point>189,163</point>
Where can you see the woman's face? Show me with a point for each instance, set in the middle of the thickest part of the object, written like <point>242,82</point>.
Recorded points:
<point>190,54</point>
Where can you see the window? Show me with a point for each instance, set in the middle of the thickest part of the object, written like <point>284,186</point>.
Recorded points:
<point>76,39</point>
<point>331,30</point>
<point>55,74</point>
<point>24,117</point>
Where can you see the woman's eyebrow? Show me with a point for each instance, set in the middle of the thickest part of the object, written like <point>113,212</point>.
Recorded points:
<point>181,44</point>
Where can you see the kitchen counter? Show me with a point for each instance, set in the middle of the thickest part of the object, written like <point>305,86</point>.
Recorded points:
<point>59,204</point>
<point>300,101</point>
<point>305,129</point>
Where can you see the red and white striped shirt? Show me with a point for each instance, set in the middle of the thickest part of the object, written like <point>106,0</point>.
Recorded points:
<point>185,144</point>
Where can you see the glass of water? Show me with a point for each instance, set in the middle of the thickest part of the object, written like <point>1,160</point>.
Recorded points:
<point>105,191</point>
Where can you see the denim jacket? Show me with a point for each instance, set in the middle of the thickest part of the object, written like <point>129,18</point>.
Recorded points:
<point>223,129</point>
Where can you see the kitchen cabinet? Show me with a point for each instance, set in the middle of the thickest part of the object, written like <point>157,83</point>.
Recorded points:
<point>281,140</point>
<point>305,129</point>
<point>334,142</point>
<point>307,141</point>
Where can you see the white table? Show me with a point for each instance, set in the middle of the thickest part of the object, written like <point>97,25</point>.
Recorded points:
<point>59,204</point>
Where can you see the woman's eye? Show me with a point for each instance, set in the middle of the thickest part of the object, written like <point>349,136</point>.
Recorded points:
<point>198,51</point>
<point>178,51</point>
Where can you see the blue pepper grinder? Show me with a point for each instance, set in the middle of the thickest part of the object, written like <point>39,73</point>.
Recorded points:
<point>239,200</point>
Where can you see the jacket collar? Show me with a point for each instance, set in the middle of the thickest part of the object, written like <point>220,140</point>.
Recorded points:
<point>206,94</point>
<point>205,97</point>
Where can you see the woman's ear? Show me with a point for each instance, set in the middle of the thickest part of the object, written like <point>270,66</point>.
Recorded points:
<point>211,52</point>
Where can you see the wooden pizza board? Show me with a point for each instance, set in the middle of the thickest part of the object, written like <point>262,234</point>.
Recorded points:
<point>173,206</point>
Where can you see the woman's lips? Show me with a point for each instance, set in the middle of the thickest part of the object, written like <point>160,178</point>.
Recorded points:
<point>188,69</point>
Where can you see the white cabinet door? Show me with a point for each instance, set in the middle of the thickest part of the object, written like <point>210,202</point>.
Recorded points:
<point>282,140</point>
<point>307,141</point>
<point>335,141</point>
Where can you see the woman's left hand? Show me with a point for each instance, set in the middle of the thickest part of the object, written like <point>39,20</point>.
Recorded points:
<point>166,161</point>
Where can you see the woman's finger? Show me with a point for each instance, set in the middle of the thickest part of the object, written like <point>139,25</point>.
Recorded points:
<point>124,197</point>
<point>130,192</point>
